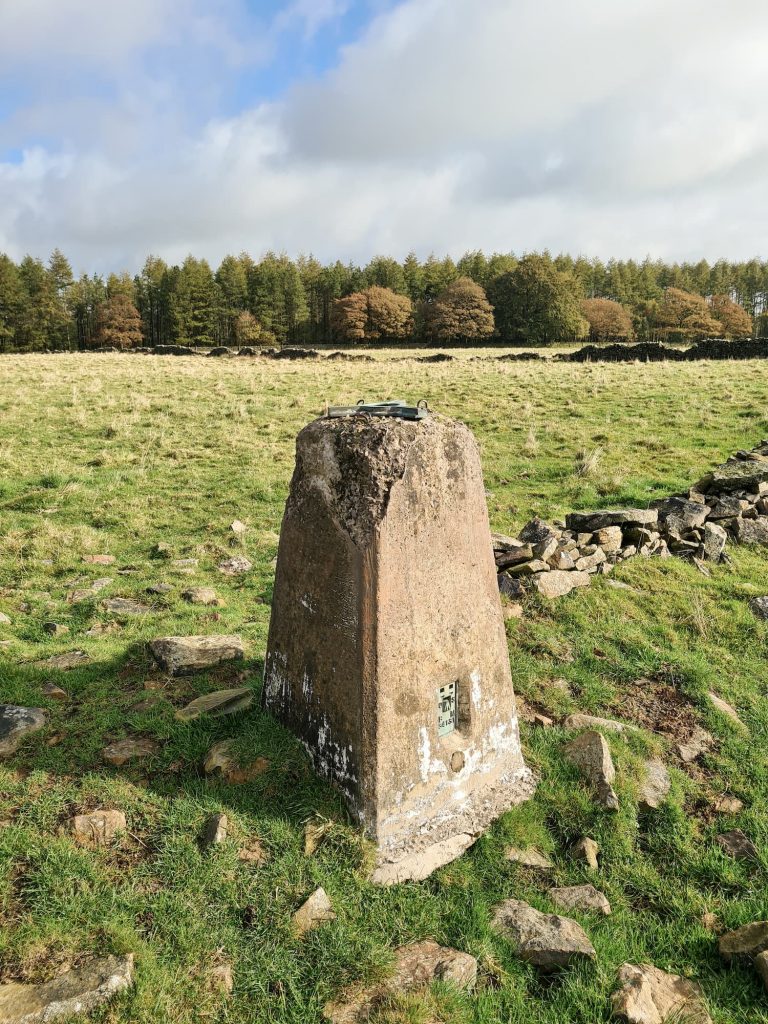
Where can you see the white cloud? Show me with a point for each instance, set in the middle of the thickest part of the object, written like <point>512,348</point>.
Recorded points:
<point>584,126</point>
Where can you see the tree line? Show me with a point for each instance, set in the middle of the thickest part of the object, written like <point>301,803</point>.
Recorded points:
<point>531,300</point>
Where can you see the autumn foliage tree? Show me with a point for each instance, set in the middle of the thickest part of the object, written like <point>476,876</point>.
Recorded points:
<point>461,312</point>
<point>608,320</point>
<point>375,314</point>
<point>118,323</point>
<point>735,322</point>
<point>684,316</point>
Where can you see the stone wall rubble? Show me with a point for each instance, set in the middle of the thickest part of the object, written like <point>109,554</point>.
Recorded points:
<point>731,502</point>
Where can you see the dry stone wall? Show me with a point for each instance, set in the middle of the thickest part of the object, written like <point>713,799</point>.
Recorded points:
<point>731,502</point>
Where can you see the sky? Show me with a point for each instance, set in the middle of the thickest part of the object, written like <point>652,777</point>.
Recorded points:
<point>351,128</point>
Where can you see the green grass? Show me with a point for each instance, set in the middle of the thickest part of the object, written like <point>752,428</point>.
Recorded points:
<point>113,455</point>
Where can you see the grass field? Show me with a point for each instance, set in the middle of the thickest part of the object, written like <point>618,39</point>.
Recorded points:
<point>107,454</point>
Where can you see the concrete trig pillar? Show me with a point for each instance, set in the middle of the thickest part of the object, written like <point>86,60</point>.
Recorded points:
<point>387,654</point>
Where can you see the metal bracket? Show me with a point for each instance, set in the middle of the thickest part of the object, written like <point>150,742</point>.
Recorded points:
<point>396,408</point>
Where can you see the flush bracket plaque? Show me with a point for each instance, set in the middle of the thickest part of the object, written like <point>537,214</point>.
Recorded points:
<point>446,709</point>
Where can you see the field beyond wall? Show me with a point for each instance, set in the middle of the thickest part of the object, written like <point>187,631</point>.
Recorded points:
<point>115,454</point>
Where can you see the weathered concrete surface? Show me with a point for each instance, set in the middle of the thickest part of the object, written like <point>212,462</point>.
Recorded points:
<point>386,591</point>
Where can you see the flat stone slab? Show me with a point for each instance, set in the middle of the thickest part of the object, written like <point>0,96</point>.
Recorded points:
<point>648,995</point>
<point>235,566</point>
<point>591,522</point>
<point>734,476</point>
<point>416,966</point>
<point>125,606</point>
<point>123,751</point>
<point>98,827</point>
<point>580,897</point>
<point>181,655</point>
<point>737,845</point>
<point>74,993</point>
<point>64,662</point>
<point>546,940</point>
<point>16,723</point>
<point>726,709</point>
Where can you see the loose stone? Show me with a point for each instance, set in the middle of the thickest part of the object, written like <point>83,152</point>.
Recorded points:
<point>76,992</point>
<point>697,744</point>
<point>181,655</point>
<point>592,756</point>
<point>759,606</point>
<point>98,827</point>
<point>529,858</point>
<point>416,967</point>
<point>54,692</point>
<point>580,897</point>
<point>579,721</point>
<point>125,606</point>
<point>235,566</point>
<point>749,940</point>
<point>316,910</point>
<point>202,595</point>
<point>761,966</point>
<point>648,995</point>
<point>546,940</point>
<point>15,724</point>
<point>214,830</point>
<point>558,583</point>
<point>727,804</point>
<point>737,845</point>
<point>725,708</point>
<point>55,628</point>
<point>122,751</point>
<point>655,786</point>
<point>64,662</point>
<point>586,850</point>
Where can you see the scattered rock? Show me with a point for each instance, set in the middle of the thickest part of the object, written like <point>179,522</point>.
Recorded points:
<point>620,585</point>
<point>221,702</point>
<point>235,566</point>
<point>580,897</point>
<point>99,827</point>
<point>513,610</point>
<point>125,606</point>
<point>313,912</point>
<point>100,559</point>
<point>591,522</point>
<point>725,708</point>
<point>416,967</point>
<point>749,940</point>
<point>55,628</point>
<point>648,995</point>
<point>64,662</point>
<point>558,582</point>
<point>237,527</point>
<point>546,940</point>
<point>761,966</point>
<point>187,565</point>
<point>579,721</point>
<point>713,544</point>
<point>214,830</point>
<point>586,851</point>
<point>54,692</point>
<point>592,756</point>
<point>537,531</point>
<point>751,531</point>
<point>697,744</point>
<point>219,759</point>
<point>202,595</point>
<point>181,655</point>
<point>122,751</point>
<point>655,786</point>
<point>737,845</point>
<point>727,804</point>
<point>159,588</point>
<point>221,980</point>
<point>759,606</point>
<point>4,620</point>
<point>76,992</point>
<point>16,723</point>
<point>253,853</point>
<point>529,858</point>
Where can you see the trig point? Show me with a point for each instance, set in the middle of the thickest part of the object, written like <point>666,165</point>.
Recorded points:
<point>387,654</point>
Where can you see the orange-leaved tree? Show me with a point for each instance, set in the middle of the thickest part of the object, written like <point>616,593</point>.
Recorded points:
<point>734,320</point>
<point>461,312</point>
<point>118,323</point>
<point>372,315</point>
<point>608,320</point>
